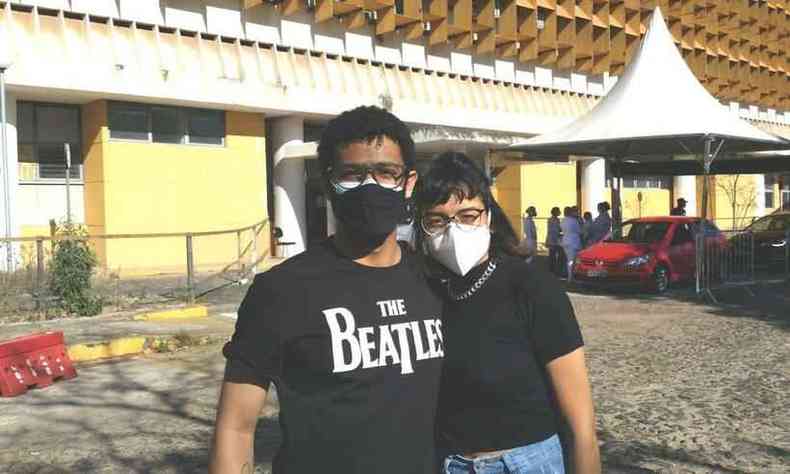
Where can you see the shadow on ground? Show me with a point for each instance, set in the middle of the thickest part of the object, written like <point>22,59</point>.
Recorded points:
<point>130,416</point>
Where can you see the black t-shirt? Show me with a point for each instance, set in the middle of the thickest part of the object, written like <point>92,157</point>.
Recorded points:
<point>494,394</point>
<point>355,353</point>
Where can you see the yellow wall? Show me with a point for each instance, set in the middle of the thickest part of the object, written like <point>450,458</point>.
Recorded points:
<point>737,190</point>
<point>655,202</point>
<point>543,185</point>
<point>508,194</point>
<point>142,188</point>
<point>546,185</point>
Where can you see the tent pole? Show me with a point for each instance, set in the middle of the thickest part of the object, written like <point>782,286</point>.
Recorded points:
<point>707,160</point>
<point>617,208</point>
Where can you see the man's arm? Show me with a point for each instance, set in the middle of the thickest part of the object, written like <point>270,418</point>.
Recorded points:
<point>568,375</point>
<point>240,404</point>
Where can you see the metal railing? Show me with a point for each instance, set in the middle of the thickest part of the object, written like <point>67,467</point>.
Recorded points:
<point>740,258</point>
<point>42,172</point>
<point>244,240</point>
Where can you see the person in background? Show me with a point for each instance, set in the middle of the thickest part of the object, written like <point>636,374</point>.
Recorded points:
<point>530,232</point>
<point>587,224</point>
<point>680,209</point>
<point>602,224</point>
<point>553,235</point>
<point>514,370</point>
<point>571,239</point>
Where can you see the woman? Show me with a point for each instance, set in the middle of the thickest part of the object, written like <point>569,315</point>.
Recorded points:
<point>530,242</point>
<point>511,341</point>
<point>587,224</point>
<point>571,239</point>
<point>553,236</point>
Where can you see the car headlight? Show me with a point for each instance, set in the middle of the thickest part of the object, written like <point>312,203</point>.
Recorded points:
<point>637,261</point>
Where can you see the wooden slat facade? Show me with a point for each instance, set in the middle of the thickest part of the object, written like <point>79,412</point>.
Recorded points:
<point>739,49</point>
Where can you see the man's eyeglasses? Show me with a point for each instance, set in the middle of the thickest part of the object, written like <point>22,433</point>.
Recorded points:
<point>433,224</point>
<point>386,175</point>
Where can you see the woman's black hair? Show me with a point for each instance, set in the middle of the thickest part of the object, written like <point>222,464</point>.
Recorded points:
<point>364,125</point>
<point>453,174</point>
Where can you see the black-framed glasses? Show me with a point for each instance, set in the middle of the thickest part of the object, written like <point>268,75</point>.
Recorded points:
<point>386,175</point>
<point>433,223</point>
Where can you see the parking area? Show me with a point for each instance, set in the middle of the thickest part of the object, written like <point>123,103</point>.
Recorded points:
<point>680,386</point>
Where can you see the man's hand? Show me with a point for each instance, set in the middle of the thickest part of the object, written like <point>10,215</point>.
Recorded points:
<point>234,433</point>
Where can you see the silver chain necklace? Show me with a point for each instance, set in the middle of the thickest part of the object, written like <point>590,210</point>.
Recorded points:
<point>475,286</point>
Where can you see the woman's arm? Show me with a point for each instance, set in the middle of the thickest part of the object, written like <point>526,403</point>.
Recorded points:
<point>234,433</point>
<point>571,384</point>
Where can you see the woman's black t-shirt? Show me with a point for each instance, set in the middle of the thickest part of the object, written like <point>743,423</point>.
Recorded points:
<point>493,395</point>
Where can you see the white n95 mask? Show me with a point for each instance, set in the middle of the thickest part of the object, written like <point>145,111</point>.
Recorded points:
<point>459,247</point>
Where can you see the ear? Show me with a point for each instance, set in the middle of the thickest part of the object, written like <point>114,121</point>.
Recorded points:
<point>411,180</point>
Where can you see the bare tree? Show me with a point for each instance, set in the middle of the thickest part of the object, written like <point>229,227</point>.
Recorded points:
<point>741,196</point>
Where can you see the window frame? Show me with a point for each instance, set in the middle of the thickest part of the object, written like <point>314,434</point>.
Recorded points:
<point>184,114</point>
<point>77,156</point>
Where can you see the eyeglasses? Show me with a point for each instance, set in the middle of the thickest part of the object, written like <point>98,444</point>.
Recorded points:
<point>433,224</point>
<point>386,175</point>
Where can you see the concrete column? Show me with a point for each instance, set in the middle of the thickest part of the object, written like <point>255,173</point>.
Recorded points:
<point>759,193</point>
<point>13,181</point>
<point>685,187</point>
<point>593,184</point>
<point>289,185</point>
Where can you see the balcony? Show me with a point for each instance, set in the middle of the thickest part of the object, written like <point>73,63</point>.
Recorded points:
<point>48,173</point>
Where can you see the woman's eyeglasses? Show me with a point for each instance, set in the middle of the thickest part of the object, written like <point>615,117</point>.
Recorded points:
<point>386,175</point>
<point>433,224</point>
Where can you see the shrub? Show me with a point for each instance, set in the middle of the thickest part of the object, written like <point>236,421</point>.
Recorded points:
<point>73,262</point>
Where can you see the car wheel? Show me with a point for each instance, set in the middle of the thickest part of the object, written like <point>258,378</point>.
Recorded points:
<point>661,279</point>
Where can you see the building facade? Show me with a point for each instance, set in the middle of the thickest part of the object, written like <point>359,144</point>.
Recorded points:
<point>202,115</point>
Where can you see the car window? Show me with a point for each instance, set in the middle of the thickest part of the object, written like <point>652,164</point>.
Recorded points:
<point>780,223</point>
<point>761,225</point>
<point>682,234</point>
<point>711,230</point>
<point>643,232</point>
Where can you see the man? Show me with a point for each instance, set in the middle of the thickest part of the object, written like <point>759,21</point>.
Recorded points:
<point>348,332</point>
<point>530,232</point>
<point>602,224</point>
<point>680,209</point>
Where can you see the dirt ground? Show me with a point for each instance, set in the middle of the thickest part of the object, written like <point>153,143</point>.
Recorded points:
<point>680,386</point>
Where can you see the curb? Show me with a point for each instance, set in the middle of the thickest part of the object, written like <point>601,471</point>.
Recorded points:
<point>180,313</point>
<point>135,345</point>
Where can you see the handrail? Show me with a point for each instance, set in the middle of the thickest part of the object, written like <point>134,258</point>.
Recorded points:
<point>134,236</point>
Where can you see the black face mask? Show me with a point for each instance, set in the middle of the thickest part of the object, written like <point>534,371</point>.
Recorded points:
<point>369,211</point>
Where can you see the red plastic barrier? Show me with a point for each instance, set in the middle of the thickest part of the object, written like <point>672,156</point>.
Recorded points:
<point>31,361</point>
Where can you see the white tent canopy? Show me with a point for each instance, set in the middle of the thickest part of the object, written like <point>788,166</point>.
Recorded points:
<point>657,108</point>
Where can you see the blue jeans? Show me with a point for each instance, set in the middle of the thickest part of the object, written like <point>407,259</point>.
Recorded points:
<point>544,457</point>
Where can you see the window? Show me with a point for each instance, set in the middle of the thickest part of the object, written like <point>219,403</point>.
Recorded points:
<point>167,125</point>
<point>44,130</point>
<point>641,182</point>
<point>128,122</point>
<point>206,127</point>
<point>162,124</point>
<point>770,180</point>
<point>683,234</point>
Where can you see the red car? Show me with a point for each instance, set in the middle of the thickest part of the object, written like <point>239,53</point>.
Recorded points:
<point>653,253</point>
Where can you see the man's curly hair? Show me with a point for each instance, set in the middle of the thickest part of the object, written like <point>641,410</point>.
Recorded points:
<point>364,125</point>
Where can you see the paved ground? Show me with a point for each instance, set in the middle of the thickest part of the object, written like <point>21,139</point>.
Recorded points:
<point>679,387</point>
